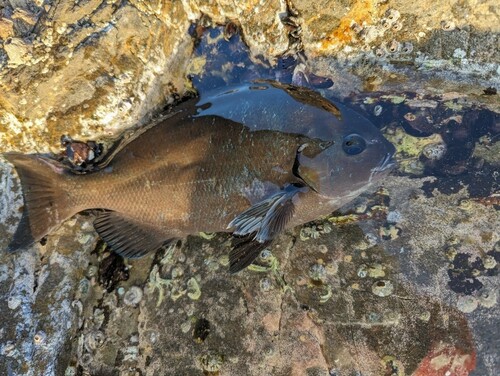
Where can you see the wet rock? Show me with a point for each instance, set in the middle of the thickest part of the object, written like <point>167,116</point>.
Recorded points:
<point>83,96</point>
<point>18,51</point>
<point>314,304</point>
<point>6,28</point>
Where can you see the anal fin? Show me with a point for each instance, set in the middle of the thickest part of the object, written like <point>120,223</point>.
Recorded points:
<point>128,237</point>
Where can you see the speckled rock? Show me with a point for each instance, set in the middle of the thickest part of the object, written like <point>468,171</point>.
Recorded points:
<point>403,281</point>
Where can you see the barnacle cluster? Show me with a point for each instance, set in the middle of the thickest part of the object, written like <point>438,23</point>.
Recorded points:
<point>176,286</point>
<point>314,231</point>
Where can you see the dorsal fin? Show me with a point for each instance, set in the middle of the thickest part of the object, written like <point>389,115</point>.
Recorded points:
<point>128,237</point>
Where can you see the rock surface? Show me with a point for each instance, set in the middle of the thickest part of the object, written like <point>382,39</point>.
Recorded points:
<point>402,282</point>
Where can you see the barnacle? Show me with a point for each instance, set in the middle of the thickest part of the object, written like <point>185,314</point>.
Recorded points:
<point>407,47</point>
<point>379,52</point>
<point>447,25</point>
<point>362,271</point>
<point>177,272</point>
<point>377,110</point>
<point>211,362</point>
<point>312,232</point>
<point>489,262</point>
<point>392,14</point>
<point>397,26</point>
<point>91,271</point>
<point>265,284</point>
<point>270,262</point>
<point>70,371</point>
<point>83,286</point>
<point>488,298</point>
<point>434,151</point>
<point>356,28</point>
<point>130,353</point>
<point>40,338</point>
<point>382,288</point>
<point>410,116</point>
<point>424,316</point>
<point>395,367</point>
<point>323,248</point>
<point>386,24</point>
<point>94,340</point>
<point>133,296</point>
<point>317,272</point>
<point>394,46</point>
<point>467,303</point>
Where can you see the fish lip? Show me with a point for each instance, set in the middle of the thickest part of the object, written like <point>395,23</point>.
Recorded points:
<point>388,162</point>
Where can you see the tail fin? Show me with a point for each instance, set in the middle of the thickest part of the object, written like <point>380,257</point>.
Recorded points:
<point>45,201</point>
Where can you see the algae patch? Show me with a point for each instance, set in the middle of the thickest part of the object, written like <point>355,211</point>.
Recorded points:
<point>410,148</point>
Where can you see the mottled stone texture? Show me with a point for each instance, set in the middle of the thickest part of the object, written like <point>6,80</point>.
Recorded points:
<point>88,68</point>
<point>406,283</point>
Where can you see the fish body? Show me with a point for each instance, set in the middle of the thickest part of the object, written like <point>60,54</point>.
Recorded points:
<point>253,160</point>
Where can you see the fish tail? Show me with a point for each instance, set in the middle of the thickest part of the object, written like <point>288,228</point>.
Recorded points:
<point>46,201</point>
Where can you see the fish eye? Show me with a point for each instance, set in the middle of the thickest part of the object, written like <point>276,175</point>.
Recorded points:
<point>353,144</point>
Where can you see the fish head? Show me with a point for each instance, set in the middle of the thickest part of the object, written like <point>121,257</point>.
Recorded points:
<point>353,158</point>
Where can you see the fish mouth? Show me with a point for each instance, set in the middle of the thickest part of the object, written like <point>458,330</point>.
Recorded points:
<point>388,162</point>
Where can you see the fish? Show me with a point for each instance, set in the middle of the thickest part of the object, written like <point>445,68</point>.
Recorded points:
<point>252,160</point>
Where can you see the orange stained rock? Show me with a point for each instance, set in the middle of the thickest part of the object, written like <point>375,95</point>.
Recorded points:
<point>361,11</point>
<point>445,359</point>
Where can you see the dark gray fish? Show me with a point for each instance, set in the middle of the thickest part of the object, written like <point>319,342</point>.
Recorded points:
<point>252,160</point>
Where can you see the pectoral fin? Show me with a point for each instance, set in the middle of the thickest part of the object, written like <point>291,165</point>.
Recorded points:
<point>260,224</point>
<point>128,237</point>
<point>269,217</point>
